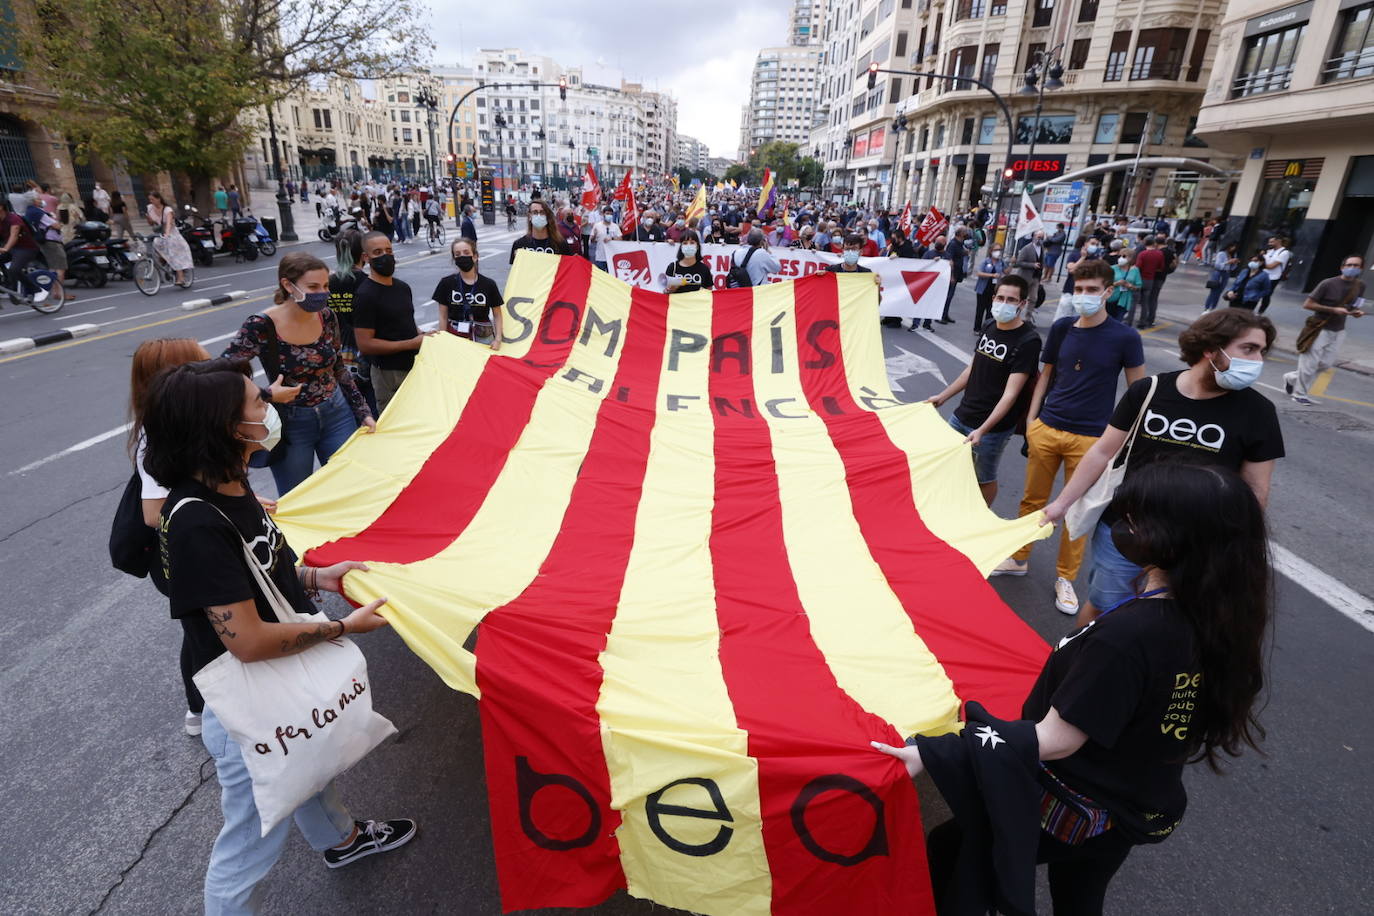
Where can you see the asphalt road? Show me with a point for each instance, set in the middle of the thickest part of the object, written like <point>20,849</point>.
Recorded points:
<point>112,809</point>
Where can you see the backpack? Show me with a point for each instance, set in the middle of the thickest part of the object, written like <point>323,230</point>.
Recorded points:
<point>133,545</point>
<point>739,274</point>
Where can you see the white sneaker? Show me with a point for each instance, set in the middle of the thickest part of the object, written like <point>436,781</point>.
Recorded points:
<point>1065,599</point>
<point>40,296</point>
<point>192,724</point>
<point>1009,567</point>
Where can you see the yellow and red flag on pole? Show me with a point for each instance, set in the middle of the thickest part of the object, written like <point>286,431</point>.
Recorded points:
<point>698,206</point>
<point>711,557</point>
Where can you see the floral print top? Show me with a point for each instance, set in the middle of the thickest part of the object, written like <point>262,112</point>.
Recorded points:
<point>316,367</point>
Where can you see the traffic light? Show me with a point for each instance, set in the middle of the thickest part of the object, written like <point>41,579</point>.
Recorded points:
<point>563,88</point>
<point>873,75</point>
<point>1008,173</point>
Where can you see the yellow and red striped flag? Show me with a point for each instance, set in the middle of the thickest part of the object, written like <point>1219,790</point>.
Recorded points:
<point>710,558</point>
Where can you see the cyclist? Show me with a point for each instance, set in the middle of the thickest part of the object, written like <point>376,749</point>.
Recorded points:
<point>19,249</point>
<point>510,212</point>
<point>433,214</point>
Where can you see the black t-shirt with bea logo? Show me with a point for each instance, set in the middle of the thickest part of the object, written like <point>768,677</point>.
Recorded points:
<point>1228,430</point>
<point>530,243</point>
<point>1131,681</point>
<point>999,355</point>
<point>468,301</point>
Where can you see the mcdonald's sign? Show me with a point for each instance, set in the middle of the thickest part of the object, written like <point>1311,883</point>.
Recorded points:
<point>1309,169</point>
<point>1293,169</point>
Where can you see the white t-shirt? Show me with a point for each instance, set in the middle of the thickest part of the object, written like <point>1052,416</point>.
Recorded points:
<point>603,232</point>
<point>151,488</point>
<point>1278,254</point>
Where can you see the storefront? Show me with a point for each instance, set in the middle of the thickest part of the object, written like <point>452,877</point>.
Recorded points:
<point>1286,189</point>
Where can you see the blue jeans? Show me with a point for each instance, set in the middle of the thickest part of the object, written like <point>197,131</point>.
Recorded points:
<point>311,432</point>
<point>987,454</point>
<point>241,856</point>
<point>1213,297</point>
<point>1112,578</point>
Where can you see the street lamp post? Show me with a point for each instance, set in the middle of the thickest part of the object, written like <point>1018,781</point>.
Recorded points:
<point>898,125</point>
<point>288,223</point>
<point>427,100</point>
<point>1048,65</point>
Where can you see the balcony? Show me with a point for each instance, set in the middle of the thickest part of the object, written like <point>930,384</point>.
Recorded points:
<point>1352,65</point>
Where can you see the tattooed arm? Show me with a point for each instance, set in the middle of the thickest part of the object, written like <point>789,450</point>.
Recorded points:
<point>252,639</point>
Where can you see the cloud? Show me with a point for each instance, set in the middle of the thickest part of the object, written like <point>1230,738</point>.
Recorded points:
<point>701,53</point>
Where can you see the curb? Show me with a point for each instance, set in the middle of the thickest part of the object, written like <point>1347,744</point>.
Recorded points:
<point>191,305</point>
<point>19,344</point>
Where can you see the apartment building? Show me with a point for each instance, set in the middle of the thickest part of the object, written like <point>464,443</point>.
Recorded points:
<point>692,154</point>
<point>781,98</point>
<point>1292,94</point>
<point>1132,80</point>
<point>804,22</point>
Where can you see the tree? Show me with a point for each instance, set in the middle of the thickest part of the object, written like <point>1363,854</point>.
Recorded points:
<point>812,173</point>
<point>168,84</point>
<point>779,157</point>
<point>741,174</point>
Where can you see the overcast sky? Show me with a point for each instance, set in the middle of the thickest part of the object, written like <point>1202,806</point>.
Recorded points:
<point>700,51</point>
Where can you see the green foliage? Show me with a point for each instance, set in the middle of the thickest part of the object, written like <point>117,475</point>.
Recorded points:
<point>742,174</point>
<point>167,84</point>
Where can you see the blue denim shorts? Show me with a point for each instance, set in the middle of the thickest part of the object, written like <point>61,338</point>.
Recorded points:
<point>1112,578</point>
<point>987,454</point>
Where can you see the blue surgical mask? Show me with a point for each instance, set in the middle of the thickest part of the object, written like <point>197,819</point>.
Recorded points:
<point>851,256</point>
<point>1087,304</point>
<point>1004,312</point>
<point>1094,249</point>
<point>689,251</point>
<point>1350,272</point>
<point>1240,374</point>
<point>539,221</point>
<point>1253,265</point>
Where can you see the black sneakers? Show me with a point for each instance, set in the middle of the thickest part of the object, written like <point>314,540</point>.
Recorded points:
<point>372,836</point>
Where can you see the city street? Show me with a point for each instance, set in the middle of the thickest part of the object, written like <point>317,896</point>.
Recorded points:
<point>113,808</point>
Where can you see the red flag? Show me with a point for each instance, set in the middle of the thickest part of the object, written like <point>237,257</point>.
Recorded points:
<point>905,222</point>
<point>591,190</point>
<point>934,224</point>
<point>626,192</point>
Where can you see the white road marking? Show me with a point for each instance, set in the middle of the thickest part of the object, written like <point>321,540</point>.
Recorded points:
<point>108,308</point>
<point>80,446</point>
<point>906,364</point>
<point>1341,597</point>
<point>961,355</point>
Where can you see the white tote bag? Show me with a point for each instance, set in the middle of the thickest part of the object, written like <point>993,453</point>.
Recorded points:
<point>300,720</point>
<point>1083,515</point>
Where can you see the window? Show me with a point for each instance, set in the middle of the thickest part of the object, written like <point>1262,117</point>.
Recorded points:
<point>1033,50</point>
<point>318,123</point>
<point>1266,63</point>
<point>406,135</point>
<point>990,54</point>
<point>1160,126</point>
<point>1107,124</point>
<point>901,46</point>
<point>327,124</point>
<point>961,63</point>
<point>939,135</point>
<point>1053,129</point>
<point>895,92</point>
<point>1190,139</point>
<point>405,116</point>
<point>403,97</point>
<point>969,9</point>
<point>920,51</point>
<point>1199,51</point>
<point>1116,57</point>
<point>1078,53</point>
<point>966,135</point>
<point>1087,11</point>
<point>1044,12</point>
<point>1134,127</point>
<point>862,67</point>
<point>1352,55</point>
<point>987,130</point>
<point>1159,54</point>
<point>998,8</point>
<point>925,139</point>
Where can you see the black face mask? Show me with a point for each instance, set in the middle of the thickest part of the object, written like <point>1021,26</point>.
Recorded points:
<point>383,264</point>
<point>464,262</point>
<point>1127,543</point>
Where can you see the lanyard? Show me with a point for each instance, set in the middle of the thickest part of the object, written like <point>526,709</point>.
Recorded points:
<point>463,291</point>
<point>1149,594</point>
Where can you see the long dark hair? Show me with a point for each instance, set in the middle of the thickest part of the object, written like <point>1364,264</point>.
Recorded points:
<point>556,240</point>
<point>1202,526</point>
<point>190,417</point>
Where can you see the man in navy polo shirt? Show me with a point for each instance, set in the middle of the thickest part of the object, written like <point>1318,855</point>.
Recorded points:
<point>1070,408</point>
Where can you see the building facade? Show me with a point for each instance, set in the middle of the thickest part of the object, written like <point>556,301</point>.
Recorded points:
<point>781,98</point>
<point>1292,94</point>
<point>1132,81</point>
<point>804,22</point>
<point>692,154</point>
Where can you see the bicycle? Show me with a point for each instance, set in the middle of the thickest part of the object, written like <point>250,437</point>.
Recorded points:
<point>151,269</point>
<point>436,236</point>
<point>48,295</point>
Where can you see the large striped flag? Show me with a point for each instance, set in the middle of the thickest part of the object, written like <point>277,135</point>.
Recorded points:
<point>698,207</point>
<point>706,557</point>
<point>767,193</point>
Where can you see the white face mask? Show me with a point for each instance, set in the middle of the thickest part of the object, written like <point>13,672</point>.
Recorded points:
<point>539,221</point>
<point>648,220</point>
<point>1004,312</point>
<point>1087,304</point>
<point>689,251</point>
<point>272,423</point>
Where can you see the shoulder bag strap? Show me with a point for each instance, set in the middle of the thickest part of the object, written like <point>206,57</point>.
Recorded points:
<point>1135,427</point>
<point>750,254</point>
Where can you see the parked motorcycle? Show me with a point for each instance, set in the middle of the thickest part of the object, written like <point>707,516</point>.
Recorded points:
<point>121,255</point>
<point>87,254</point>
<point>266,246</point>
<point>199,234</point>
<point>336,225</point>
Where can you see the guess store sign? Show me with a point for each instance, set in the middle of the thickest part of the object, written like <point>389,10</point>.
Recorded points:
<point>1037,168</point>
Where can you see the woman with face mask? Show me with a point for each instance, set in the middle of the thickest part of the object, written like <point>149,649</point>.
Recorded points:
<point>1094,765</point>
<point>542,232</point>
<point>299,343</point>
<point>988,273</point>
<point>1126,284</point>
<point>688,273</point>
<point>202,421</point>
<point>469,303</point>
<point>1207,413</point>
<point>1251,285</point>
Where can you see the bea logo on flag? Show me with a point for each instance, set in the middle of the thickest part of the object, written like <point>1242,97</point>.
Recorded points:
<point>632,267</point>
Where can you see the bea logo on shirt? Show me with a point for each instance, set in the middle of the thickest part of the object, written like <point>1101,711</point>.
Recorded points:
<point>1183,430</point>
<point>989,347</point>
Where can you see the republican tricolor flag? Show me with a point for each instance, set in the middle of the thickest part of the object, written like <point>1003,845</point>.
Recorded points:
<point>703,557</point>
<point>767,193</point>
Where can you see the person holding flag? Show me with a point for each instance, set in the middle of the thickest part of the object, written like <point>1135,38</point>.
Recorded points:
<point>629,222</point>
